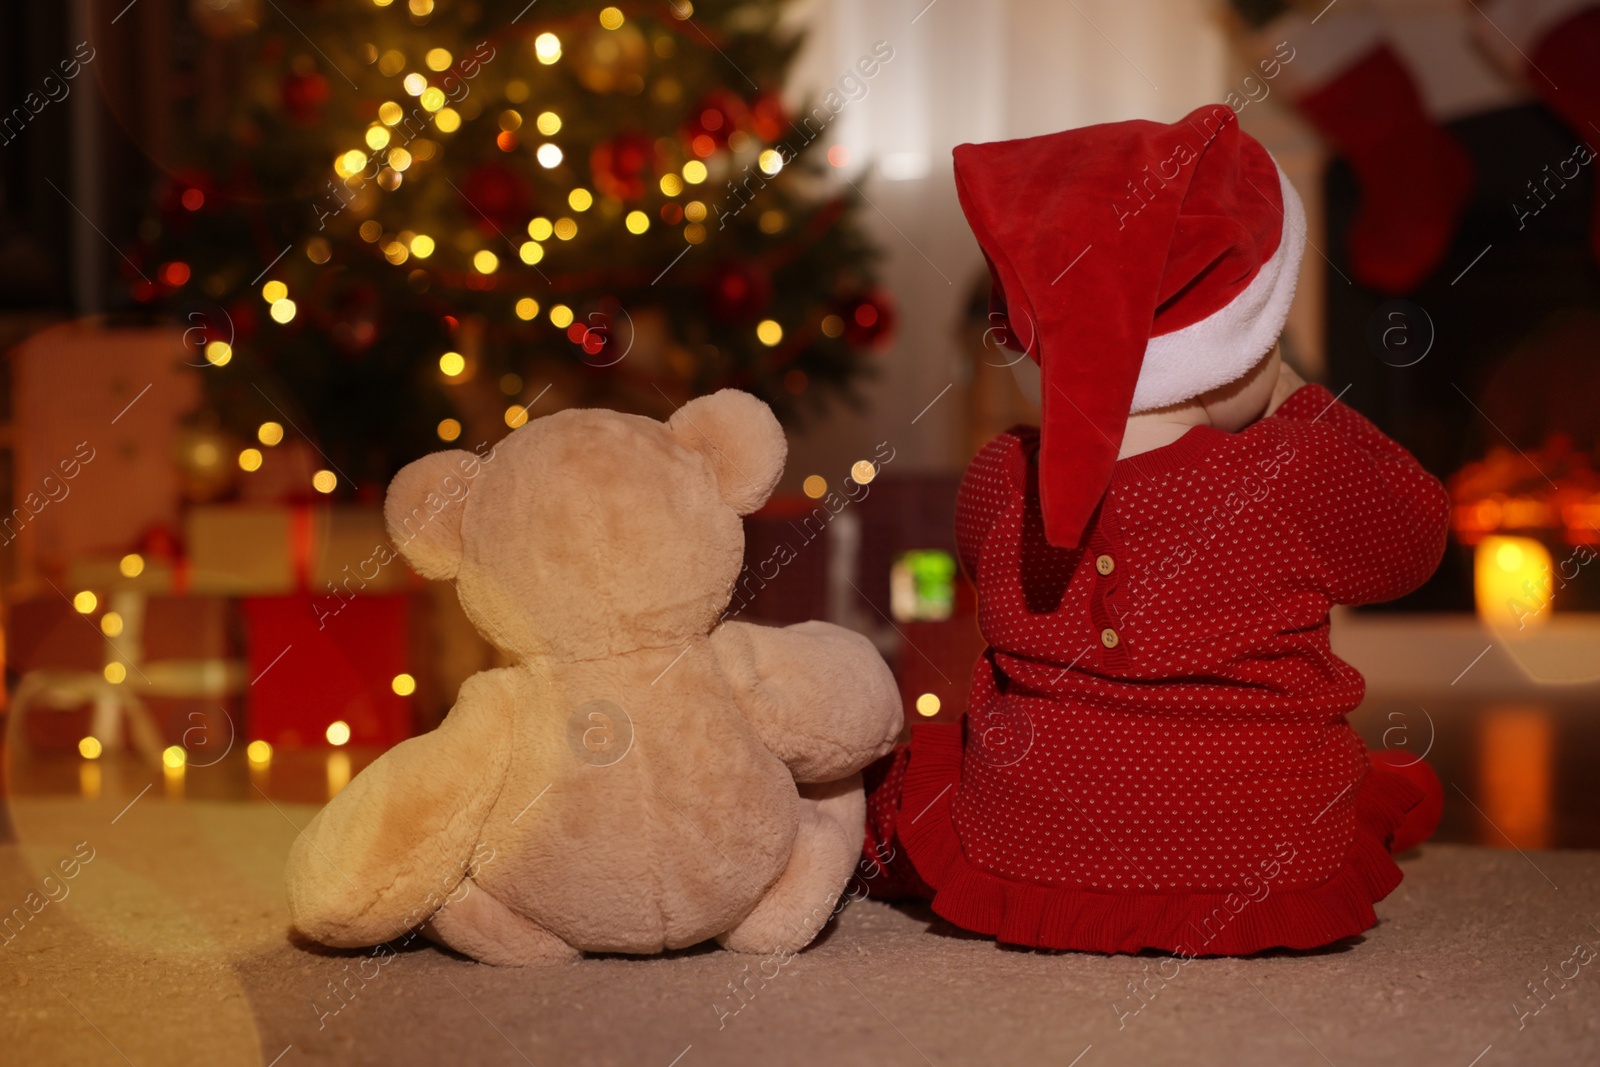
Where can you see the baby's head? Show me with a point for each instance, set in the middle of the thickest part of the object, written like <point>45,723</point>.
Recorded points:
<point>1230,407</point>
<point>1149,267</point>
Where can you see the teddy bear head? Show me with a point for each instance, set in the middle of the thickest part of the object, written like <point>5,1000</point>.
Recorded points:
<point>590,533</point>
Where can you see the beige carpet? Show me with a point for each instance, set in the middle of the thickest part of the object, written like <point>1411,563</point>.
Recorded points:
<point>170,947</point>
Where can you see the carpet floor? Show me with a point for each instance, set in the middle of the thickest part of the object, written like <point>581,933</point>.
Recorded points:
<point>169,944</point>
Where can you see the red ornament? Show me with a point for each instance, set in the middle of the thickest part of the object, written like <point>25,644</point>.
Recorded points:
<point>768,118</point>
<point>497,197</point>
<point>303,95</point>
<point>618,166</point>
<point>717,115</point>
<point>869,321</point>
<point>739,292</point>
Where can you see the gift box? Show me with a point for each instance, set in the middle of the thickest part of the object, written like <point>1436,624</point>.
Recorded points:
<point>252,549</point>
<point>317,661</point>
<point>178,685</point>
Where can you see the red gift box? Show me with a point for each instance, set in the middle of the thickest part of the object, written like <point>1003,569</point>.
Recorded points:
<point>314,661</point>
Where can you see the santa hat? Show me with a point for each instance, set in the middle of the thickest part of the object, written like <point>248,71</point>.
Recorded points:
<point>1140,265</point>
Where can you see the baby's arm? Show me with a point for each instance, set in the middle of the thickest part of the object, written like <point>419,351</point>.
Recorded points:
<point>1374,519</point>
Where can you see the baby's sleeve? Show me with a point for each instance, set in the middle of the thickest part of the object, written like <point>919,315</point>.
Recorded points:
<point>996,476</point>
<point>1375,521</point>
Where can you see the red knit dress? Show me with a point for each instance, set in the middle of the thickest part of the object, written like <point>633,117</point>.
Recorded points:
<point>1156,753</point>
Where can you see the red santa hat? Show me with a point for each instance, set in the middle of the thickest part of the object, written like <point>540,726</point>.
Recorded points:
<point>1140,265</point>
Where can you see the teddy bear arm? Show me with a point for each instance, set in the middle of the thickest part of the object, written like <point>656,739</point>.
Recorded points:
<point>820,696</point>
<point>387,851</point>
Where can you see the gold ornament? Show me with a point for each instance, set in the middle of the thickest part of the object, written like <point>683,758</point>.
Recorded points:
<point>612,61</point>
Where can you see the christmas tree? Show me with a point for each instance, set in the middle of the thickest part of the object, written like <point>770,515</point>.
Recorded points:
<point>418,219</point>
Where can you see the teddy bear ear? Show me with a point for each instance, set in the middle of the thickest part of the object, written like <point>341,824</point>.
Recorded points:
<point>740,439</point>
<point>423,511</point>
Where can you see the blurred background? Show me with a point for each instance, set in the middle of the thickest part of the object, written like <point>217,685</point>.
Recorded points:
<point>255,255</point>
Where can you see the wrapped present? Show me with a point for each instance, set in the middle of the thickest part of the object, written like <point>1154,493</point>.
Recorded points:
<point>97,415</point>
<point>253,549</point>
<point>313,663</point>
<point>137,669</point>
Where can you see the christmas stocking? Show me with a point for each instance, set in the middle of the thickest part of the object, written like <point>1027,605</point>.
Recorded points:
<point>1415,178</point>
<point>1555,46</point>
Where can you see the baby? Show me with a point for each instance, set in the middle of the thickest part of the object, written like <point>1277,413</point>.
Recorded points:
<point>1156,753</point>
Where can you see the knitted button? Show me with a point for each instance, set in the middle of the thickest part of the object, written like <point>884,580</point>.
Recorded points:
<point>1105,564</point>
<point>1109,638</point>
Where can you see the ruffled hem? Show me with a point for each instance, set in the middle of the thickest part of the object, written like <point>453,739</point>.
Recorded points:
<point>1190,924</point>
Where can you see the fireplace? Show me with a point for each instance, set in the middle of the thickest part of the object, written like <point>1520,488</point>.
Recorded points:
<point>1494,381</point>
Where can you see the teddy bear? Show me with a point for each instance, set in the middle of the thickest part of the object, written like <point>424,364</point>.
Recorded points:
<point>644,775</point>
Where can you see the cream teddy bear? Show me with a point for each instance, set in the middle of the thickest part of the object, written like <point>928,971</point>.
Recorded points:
<point>630,783</point>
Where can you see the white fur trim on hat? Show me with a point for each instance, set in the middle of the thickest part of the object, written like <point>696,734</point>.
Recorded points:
<point>1221,347</point>
<point>1509,30</point>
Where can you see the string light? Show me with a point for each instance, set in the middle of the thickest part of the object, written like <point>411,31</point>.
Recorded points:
<point>769,332</point>
<point>414,83</point>
<point>391,63</point>
<point>527,309</point>
<point>566,229</point>
<point>548,155</point>
<point>694,233</point>
<point>399,159</point>
<point>452,364</point>
<point>422,246</point>
<point>259,752</point>
<point>770,161</point>
<point>274,291</point>
<point>131,565</point>
<point>540,229</point>
<point>324,481</point>
<point>611,18</point>
<point>531,252</point>
<point>510,120</point>
<point>390,113</point>
<point>173,757</point>
<point>694,211</point>
<point>115,673</point>
<point>432,99</point>
<point>928,705</point>
<point>371,230</point>
<point>485,262</point>
<point>437,59</point>
<point>862,471</point>
<point>85,602</point>
<point>561,316</point>
<point>549,123</point>
<point>250,459</point>
<point>671,184</point>
<point>403,685</point>
<point>637,222</point>
<point>282,311</point>
<point>377,137</point>
<point>350,163</point>
<point>111,624</point>
<point>694,172</point>
<point>516,415</point>
<point>814,486</point>
<point>218,353</point>
<point>580,199</point>
<point>832,326</point>
<point>269,433</point>
<point>547,47</point>
<point>318,250</point>
<point>449,429</point>
<point>338,733</point>
<point>448,119</point>
<point>89,748</point>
